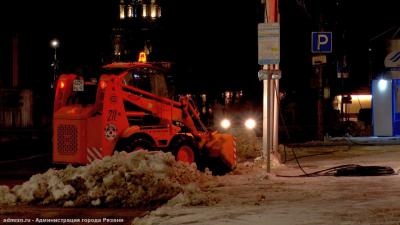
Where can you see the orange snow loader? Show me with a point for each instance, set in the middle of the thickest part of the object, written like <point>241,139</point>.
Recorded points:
<point>130,108</point>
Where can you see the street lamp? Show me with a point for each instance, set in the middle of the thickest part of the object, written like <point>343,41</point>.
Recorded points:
<point>54,44</point>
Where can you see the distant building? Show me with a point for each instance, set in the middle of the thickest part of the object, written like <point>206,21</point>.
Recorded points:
<point>137,29</point>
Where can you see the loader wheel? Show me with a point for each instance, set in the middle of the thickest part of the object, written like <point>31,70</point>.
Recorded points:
<point>141,144</point>
<point>185,151</point>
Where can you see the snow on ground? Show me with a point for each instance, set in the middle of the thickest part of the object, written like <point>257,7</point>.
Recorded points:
<point>251,196</point>
<point>247,195</point>
<point>139,179</point>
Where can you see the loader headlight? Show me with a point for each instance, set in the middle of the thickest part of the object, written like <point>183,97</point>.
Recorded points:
<point>225,123</point>
<point>250,124</point>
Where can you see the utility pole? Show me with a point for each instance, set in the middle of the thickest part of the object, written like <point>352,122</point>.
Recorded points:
<point>320,103</point>
<point>54,44</point>
<point>320,99</point>
<point>269,57</point>
<point>321,45</point>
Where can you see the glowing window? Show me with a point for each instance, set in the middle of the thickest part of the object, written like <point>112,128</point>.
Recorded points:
<point>154,11</point>
<point>144,11</point>
<point>121,12</point>
<point>130,11</point>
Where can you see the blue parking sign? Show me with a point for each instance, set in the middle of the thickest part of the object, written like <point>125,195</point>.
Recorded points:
<point>321,42</point>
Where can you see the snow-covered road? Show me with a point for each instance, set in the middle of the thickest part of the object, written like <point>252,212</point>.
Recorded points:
<point>250,196</point>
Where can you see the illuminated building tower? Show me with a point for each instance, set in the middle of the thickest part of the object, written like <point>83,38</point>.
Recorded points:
<point>136,29</point>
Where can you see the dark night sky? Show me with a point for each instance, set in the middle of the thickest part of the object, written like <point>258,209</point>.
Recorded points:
<point>211,41</point>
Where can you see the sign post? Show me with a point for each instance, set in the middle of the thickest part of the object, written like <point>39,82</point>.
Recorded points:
<point>269,57</point>
<point>321,42</point>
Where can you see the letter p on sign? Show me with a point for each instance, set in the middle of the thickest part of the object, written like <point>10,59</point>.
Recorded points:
<point>321,42</point>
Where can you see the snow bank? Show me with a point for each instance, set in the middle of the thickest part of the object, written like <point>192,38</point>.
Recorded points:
<point>137,179</point>
<point>6,198</point>
<point>249,146</point>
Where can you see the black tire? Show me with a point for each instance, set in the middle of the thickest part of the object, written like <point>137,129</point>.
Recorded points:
<point>184,149</point>
<point>135,143</point>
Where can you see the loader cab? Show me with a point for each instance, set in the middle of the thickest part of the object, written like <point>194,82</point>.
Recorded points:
<point>144,76</point>
<point>147,79</point>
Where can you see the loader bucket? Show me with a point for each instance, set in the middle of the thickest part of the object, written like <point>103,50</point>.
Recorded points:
<point>222,147</point>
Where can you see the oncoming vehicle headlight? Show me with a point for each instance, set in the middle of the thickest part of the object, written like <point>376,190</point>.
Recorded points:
<point>250,124</point>
<point>225,123</point>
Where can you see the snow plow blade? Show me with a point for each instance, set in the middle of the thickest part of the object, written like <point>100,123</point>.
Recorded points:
<point>221,152</point>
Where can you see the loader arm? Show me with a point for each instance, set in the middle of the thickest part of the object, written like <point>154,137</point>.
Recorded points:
<point>166,109</point>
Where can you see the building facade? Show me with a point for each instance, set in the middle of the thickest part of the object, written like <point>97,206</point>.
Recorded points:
<point>137,29</point>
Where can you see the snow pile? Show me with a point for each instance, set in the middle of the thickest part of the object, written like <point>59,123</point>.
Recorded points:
<point>249,146</point>
<point>6,198</point>
<point>137,179</point>
<point>249,150</point>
